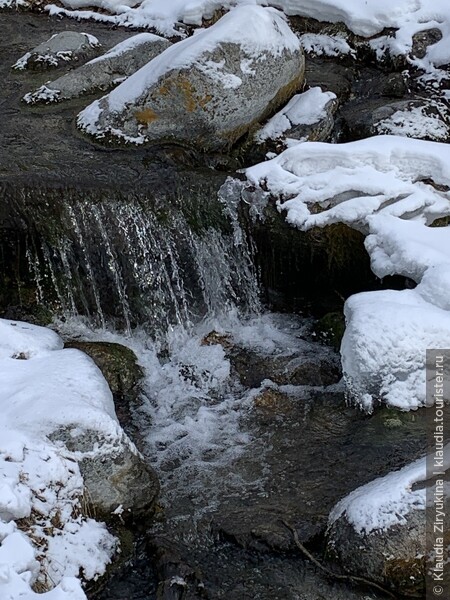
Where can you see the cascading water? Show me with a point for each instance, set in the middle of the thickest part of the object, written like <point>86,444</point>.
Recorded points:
<point>231,465</point>
<point>126,260</point>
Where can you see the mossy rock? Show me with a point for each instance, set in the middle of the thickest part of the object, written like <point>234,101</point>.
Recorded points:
<point>117,363</point>
<point>331,328</point>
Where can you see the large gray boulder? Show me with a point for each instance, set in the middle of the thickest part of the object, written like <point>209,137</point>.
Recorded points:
<point>61,48</point>
<point>207,90</point>
<point>103,72</point>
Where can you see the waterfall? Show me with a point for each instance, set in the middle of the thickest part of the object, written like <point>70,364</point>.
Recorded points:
<point>131,260</point>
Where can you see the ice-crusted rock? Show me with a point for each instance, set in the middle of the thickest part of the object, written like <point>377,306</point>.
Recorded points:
<point>379,530</point>
<point>61,48</point>
<point>207,90</point>
<point>103,72</point>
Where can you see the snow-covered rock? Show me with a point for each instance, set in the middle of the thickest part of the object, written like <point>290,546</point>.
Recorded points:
<point>61,48</point>
<point>103,72</point>
<point>208,90</point>
<point>417,118</point>
<point>391,189</point>
<point>45,535</point>
<point>366,19</point>
<point>307,116</point>
<point>378,531</point>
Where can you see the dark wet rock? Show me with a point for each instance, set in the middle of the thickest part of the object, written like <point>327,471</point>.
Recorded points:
<point>103,72</point>
<point>260,527</point>
<point>119,367</point>
<point>61,48</point>
<point>331,328</point>
<point>423,39</point>
<point>213,100</point>
<point>330,76</point>
<point>373,84</point>
<point>118,482</point>
<point>177,580</point>
<point>317,268</point>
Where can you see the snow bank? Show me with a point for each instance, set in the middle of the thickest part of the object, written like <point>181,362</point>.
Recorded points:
<point>363,18</point>
<point>330,183</point>
<point>391,189</point>
<point>44,539</point>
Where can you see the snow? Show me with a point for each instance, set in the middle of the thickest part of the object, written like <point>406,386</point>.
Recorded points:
<point>384,502</point>
<point>44,537</point>
<point>417,122</point>
<point>303,109</point>
<point>392,189</point>
<point>366,18</point>
<point>320,44</point>
<point>128,44</point>
<point>258,31</point>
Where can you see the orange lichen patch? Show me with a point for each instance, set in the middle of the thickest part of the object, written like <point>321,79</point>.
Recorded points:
<point>146,116</point>
<point>204,101</point>
<point>187,89</point>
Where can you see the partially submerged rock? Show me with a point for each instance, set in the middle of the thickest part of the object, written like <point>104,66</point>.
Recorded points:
<point>207,90</point>
<point>119,367</point>
<point>61,48</point>
<point>379,531</point>
<point>300,366</point>
<point>103,72</point>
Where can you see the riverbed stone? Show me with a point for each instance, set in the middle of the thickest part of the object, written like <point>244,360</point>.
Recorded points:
<point>210,100</point>
<point>60,49</point>
<point>117,481</point>
<point>298,367</point>
<point>119,367</point>
<point>103,72</point>
<point>394,558</point>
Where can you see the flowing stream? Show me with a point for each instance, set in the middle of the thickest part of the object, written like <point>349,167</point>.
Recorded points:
<point>236,454</point>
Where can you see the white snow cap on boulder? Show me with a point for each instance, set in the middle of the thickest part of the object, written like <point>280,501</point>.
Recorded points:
<point>391,189</point>
<point>211,87</point>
